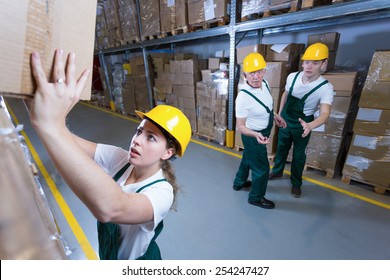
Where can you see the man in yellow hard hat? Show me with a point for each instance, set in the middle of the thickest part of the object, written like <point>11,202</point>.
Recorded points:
<point>304,92</point>
<point>254,120</point>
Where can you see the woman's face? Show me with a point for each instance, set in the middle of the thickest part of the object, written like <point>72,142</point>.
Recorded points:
<point>148,145</point>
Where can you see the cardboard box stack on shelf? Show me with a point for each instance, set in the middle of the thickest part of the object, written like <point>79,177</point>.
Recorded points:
<point>101,38</point>
<point>163,80</point>
<point>368,157</point>
<point>173,15</point>
<point>282,59</point>
<point>128,17</point>
<point>135,85</point>
<point>187,72</point>
<point>254,9</point>
<point>211,101</point>
<point>114,26</point>
<point>150,18</point>
<point>214,11</point>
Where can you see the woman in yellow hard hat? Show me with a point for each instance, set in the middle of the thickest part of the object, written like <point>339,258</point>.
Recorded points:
<point>129,192</point>
<point>254,120</point>
<point>304,91</point>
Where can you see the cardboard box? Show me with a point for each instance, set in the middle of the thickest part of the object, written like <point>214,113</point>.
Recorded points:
<point>44,26</point>
<point>330,39</point>
<point>376,89</point>
<point>372,121</point>
<point>368,158</point>
<point>343,82</point>
<point>290,53</point>
<point>242,52</point>
<point>201,11</point>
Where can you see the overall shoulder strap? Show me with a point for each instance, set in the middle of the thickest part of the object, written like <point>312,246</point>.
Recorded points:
<point>293,83</point>
<point>314,89</point>
<point>148,185</point>
<point>258,100</point>
<point>120,172</point>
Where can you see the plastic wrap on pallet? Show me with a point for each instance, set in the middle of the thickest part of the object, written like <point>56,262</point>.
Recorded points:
<point>367,158</point>
<point>28,229</point>
<point>150,17</point>
<point>376,89</point>
<point>203,11</point>
<point>250,7</point>
<point>129,22</point>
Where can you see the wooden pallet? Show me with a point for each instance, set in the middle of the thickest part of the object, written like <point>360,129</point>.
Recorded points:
<point>130,41</point>
<point>309,4</point>
<point>377,188</point>
<point>329,173</point>
<point>150,37</point>
<point>209,139</point>
<point>209,24</point>
<point>180,30</point>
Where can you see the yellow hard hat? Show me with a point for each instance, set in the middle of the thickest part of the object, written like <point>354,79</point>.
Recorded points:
<point>254,62</point>
<point>317,51</point>
<point>173,121</point>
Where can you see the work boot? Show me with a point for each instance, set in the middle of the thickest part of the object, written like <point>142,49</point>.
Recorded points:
<point>296,191</point>
<point>263,203</point>
<point>247,184</point>
<point>274,175</point>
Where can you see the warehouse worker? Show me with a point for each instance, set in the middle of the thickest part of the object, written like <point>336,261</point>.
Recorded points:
<point>129,192</point>
<point>254,120</point>
<point>305,91</point>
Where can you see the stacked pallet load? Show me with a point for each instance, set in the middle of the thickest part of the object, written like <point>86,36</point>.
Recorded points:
<point>368,157</point>
<point>308,4</point>
<point>207,14</point>
<point>114,26</point>
<point>101,38</point>
<point>329,142</point>
<point>163,80</point>
<point>173,17</point>
<point>134,86</point>
<point>128,16</point>
<point>186,70</point>
<point>211,101</point>
<point>255,9</point>
<point>150,19</point>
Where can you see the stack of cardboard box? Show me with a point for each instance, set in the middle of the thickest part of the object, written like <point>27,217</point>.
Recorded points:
<point>201,11</point>
<point>368,157</point>
<point>114,26</point>
<point>129,20</point>
<point>211,101</point>
<point>329,142</point>
<point>150,18</point>
<point>134,86</point>
<point>187,72</point>
<point>101,38</point>
<point>163,80</point>
<point>173,14</point>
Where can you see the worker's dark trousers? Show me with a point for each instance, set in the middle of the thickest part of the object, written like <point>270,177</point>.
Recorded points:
<point>286,138</point>
<point>254,158</point>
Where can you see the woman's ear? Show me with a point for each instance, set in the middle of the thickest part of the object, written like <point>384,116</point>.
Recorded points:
<point>168,154</point>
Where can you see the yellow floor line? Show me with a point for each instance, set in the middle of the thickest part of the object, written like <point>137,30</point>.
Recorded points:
<point>70,218</point>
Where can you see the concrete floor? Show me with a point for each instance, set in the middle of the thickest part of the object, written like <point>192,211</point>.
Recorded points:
<point>331,221</point>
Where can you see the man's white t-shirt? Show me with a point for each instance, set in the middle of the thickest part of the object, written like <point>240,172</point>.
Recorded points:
<point>135,239</point>
<point>323,95</point>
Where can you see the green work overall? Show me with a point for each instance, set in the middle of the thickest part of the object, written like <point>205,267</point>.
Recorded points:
<point>255,158</point>
<point>292,111</point>
<point>109,233</point>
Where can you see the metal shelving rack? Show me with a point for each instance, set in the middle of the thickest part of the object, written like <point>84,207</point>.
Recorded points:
<point>319,17</point>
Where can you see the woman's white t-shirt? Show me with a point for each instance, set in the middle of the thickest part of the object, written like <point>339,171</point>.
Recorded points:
<point>135,239</point>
